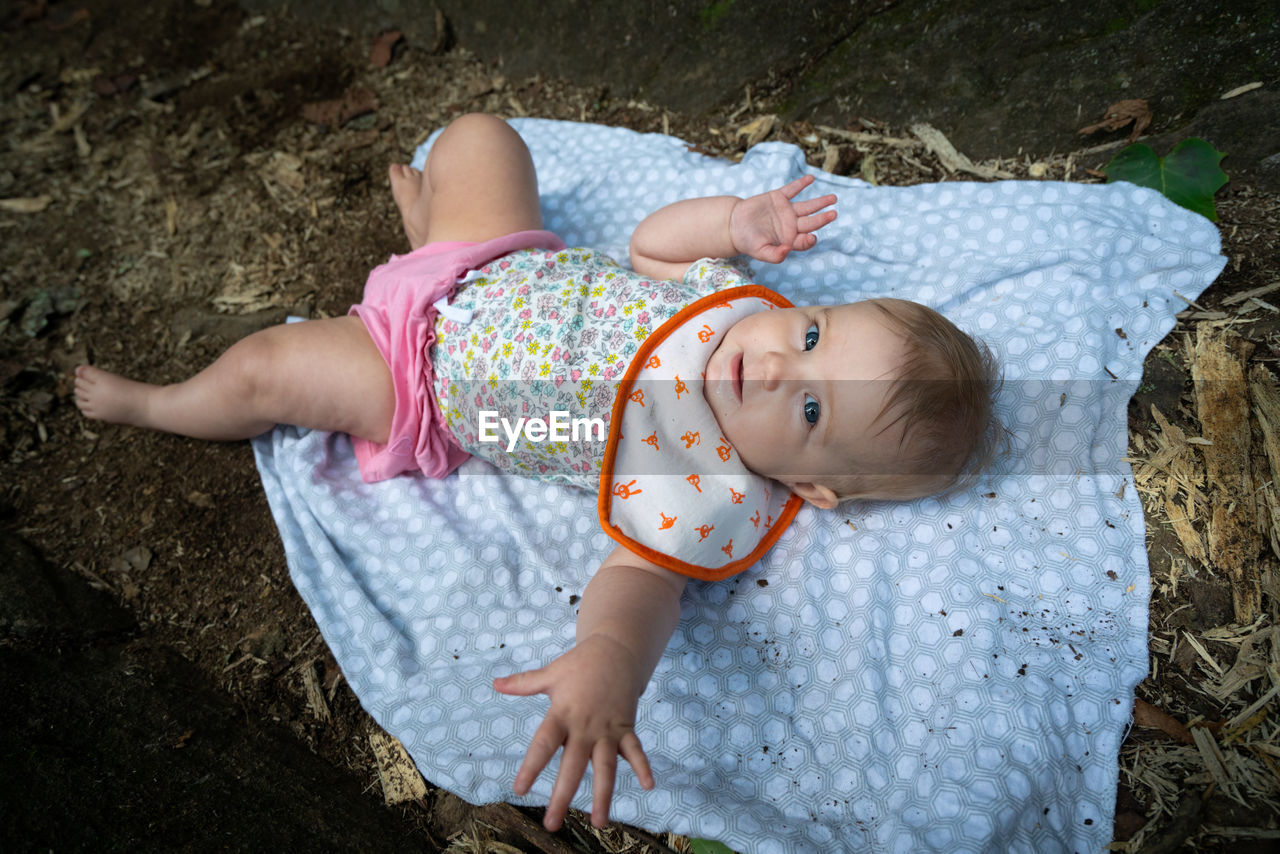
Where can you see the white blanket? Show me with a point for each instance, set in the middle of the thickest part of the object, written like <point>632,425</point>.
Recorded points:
<point>949,675</point>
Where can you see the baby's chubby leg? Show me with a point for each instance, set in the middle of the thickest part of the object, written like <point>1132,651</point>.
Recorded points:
<point>478,183</point>
<point>321,374</point>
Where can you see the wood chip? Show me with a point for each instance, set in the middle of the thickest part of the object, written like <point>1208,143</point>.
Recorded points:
<point>1266,408</point>
<point>200,499</point>
<point>1240,90</point>
<point>284,169</point>
<point>868,170</point>
<point>1211,755</point>
<point>1217,372</point>
<point>1188,536</point>
<point>26,205</point>
<point>83,148</point>
<point>64,123</point>
<point>1203,653</point>
<point>399,776</point>
<point>839,159</point>
<point>315,695</point>
<point>1178,464</point>
<point>1258,704</point>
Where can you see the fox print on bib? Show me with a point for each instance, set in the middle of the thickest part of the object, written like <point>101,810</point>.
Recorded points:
<point>672,488</point>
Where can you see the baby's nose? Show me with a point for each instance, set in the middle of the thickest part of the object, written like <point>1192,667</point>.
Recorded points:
<point>773,370</point>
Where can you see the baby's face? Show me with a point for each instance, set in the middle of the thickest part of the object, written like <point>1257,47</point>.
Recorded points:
<point>796,391</point>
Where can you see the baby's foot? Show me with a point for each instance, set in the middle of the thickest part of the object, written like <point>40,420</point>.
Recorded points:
<point>109,397</point>
<point>406,189</point>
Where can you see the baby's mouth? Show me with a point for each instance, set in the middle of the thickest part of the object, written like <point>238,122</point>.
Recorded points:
<point>735,374</point>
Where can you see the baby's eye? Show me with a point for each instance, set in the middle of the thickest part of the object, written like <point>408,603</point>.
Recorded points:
<point>812,410</point>
<point>811,337</point>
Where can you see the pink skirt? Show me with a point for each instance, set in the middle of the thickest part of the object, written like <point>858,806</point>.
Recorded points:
<point>398,309</point>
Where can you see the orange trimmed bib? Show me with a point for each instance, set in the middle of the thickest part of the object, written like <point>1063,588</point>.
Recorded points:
<point>672,488</point>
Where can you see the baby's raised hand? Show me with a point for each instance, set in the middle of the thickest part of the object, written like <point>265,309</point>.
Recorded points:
<point>768,226</point>
<point>592,716</point>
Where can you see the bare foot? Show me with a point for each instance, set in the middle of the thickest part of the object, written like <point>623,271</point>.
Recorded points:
<point>406,189</point>
<point>109,397</point>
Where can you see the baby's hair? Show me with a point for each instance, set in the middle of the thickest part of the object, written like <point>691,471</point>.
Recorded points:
<point>943,396</point>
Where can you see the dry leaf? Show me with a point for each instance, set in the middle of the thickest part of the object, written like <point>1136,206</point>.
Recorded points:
<point>356,101</point>
<point>1120,114</point>
<point>380,56</point>
<point>106,87</point>
<point>953,160</point>
<point>757,130</point>
<point>1147,715</point>
<point>33,204</point>
<point>478,86</point>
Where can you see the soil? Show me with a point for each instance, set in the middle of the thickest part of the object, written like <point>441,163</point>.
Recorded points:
<point>196,173</point>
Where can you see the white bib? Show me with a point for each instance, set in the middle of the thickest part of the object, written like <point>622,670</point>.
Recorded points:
<point>672,489</point>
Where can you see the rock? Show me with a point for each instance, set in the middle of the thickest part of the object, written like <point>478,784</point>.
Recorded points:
<point>111,742</point>
<point>994,76</point>
<point>41,600</point>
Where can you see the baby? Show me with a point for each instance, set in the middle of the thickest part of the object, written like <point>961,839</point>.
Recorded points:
<point>879,399</point>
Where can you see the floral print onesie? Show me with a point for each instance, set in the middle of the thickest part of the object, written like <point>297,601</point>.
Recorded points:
<point>550,332</point>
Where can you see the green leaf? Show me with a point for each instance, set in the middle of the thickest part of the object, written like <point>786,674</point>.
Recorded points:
<point>1188,175</point>
<point>708,846</point>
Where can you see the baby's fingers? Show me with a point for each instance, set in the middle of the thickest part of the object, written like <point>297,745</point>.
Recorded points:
<point>815,222</point>
<point>523,684</point>
<point>631,751</point>
<point>792,189</point>
<point>544,744</point>
<point>604,763</point>
<point>573,764</point>
<point>604,769</point>
<point>809,206</point>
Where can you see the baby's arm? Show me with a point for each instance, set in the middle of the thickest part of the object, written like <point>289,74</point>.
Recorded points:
<point>629,610</point>
<point>766,227</point>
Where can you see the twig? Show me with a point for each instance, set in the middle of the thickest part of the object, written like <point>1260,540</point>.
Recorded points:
<point>1250,294</point>
<point>1245,715</point>
<point>874,138</point>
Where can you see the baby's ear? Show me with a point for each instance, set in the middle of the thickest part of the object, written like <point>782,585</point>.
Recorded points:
<point>822,497</point>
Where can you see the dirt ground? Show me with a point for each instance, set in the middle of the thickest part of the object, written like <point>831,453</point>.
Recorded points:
<point>176,180</point>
